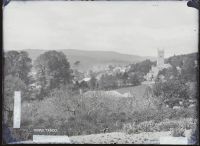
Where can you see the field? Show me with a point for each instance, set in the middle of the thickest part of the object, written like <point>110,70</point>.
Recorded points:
<point>138,92</point>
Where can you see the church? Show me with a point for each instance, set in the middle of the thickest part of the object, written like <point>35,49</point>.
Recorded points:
<point>151,76</point>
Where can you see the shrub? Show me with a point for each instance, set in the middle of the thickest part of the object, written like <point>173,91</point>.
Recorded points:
<point>184,123</point>
<point>187,123</point>
<point>177,132</point>
<point>21,134</point>
<point>130,128</point>
<point>166,125</point>
<point>147,126</point>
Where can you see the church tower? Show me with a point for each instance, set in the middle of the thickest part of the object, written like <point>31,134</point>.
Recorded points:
<point>160,58</point>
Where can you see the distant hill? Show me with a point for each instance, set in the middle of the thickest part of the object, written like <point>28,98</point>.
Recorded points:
<point>177,60</point>
<point>93,59</point>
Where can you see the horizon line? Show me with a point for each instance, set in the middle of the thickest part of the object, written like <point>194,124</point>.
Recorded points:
<point>5,50</point>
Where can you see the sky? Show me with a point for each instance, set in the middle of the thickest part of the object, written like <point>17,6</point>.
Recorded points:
<point>138,28</point>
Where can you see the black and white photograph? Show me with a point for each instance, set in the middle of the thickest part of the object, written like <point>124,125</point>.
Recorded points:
<point>100,72</point>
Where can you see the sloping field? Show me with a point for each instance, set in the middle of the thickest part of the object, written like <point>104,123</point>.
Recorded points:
<point>135,98</point>
<point>136,91</point>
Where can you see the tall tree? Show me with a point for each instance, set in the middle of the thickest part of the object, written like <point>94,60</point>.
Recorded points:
<point>188,70</point>
<point>134,79</point>
<point>93,83</point>
<point>17,64</point>
<point>52,71</point>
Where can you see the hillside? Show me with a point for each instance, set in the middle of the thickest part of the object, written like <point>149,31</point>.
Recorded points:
<point>93,59</point>
<point>178,60</point>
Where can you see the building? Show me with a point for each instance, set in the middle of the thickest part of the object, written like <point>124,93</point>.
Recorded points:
<point>152,75</point>
<point>160,59</point>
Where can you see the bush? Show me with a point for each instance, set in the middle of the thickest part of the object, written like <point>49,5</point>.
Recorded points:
<point>171,91</point>
<point>166,125</point>
<point>21,134</point>
<point>130,128</point>
<point>184,123</point>
<point>177,132</point>
<point>187,123</point>
<point>147,126</point>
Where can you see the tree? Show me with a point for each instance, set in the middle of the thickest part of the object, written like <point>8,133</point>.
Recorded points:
<point>171,91</point>
<point>134,79</point>
<point>142,67</point>
<point>52,71</point>
<point>18,64</point>
<point>175,61</point>
<point>93,83</point>
<point>108,82</point>
<point>125,77</point>
<point>169,73</point>
<point>188,70</point>
<point>83,85</point>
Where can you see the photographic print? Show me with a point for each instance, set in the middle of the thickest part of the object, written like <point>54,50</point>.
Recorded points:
<point>100,72</point>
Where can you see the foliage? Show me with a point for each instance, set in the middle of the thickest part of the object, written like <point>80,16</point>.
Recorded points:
<point>21,134</point>
<point>53,70</point>
<point>189,70</point>
<point>177,132</point>
<point>142,67</point>
<point>119,80</point>
<point>134,79</point>
<point>83,85</point>
<point>12,84</point>
<point>93,83</point>
<point>146,126</point>
<point>17,64</point>
<point>171,91</point>
<point>130,128</point>
<point>169,73</point>
<point>81,114</point>
<point>177,127</point>
<point>107,82</point>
